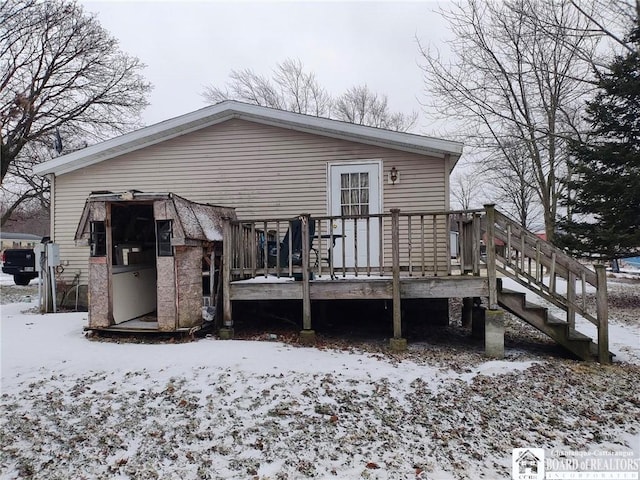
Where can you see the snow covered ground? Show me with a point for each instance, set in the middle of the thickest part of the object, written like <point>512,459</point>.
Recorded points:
<point>77,408</point>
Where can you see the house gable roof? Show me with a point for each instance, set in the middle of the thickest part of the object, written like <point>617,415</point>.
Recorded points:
<point>231,109</point>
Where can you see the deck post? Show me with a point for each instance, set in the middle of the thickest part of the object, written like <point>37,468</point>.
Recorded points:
<point>307,335</point>
<point>494,333</point>
<point>226,332</point>
<point>491,256</point>
<point>602,314</point>
<point>397,342</point>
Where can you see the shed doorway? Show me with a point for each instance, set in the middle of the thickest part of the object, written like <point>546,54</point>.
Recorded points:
<point>133,261</point>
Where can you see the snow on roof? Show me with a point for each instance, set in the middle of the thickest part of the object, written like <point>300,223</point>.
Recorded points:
<point>200,221</point>
<point>230,109</point>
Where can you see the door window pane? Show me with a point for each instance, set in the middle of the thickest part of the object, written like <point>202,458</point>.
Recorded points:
<point>355,197</point>
<point>354,193</point>
<point>364,196</point>
<point>364,179</point>
<point>344,180</point>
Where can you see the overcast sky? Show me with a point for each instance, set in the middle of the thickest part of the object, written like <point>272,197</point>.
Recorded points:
<point>187,45</point>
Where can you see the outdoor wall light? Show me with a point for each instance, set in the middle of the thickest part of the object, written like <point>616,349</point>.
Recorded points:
<point>393,175</point>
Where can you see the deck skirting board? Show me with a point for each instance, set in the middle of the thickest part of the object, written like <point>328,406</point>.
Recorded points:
<point>352,289</point>
<point>444,287</point>
<point>356,289</point>
<point>266,291</point>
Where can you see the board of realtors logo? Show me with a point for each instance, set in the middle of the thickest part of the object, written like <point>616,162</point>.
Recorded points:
<point>527,464</point>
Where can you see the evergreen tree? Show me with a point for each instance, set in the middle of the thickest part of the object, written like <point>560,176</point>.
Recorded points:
<point>605,202</point>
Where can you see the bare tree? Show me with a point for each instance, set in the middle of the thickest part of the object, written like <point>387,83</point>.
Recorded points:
<point>465,188</point>
<point>60,72</point>
<point>24,204</point>
<point>510,175</point>
<point>302,90</point>
<point>291,88</point>
<point>364,107</point>
<point>515,84</point>
<point>22,190</point>
<point>610,19</point>
<point>604,20</point>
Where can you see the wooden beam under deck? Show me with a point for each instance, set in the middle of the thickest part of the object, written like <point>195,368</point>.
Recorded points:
<point>362,288</point>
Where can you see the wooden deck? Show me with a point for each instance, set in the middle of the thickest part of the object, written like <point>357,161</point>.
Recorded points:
<point>400,256</point>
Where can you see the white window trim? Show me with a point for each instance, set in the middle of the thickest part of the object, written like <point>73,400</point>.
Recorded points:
<point>377,162</point>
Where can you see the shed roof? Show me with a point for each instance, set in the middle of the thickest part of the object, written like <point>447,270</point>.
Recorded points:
<point>230,109</point>
<point>197,221</point>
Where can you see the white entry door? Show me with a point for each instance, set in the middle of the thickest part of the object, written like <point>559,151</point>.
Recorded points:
<point>355,190</point>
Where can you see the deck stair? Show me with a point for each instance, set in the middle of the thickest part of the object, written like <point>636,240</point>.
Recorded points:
<point>555,277</point>
<point>539,317</point>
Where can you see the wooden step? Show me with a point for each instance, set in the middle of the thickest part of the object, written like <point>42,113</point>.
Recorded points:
<point>540,318</point>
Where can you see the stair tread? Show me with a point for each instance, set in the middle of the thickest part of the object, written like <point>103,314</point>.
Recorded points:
<point>511,292</point>
<point>575,335</point>
<point>534,306</point>
<point>553,320</point>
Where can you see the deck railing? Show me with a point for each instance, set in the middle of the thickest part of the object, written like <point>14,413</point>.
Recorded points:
<point>417,244</point>
<point>366,245</point>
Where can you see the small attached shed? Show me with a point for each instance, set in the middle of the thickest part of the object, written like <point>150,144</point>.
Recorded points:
<point>153,261</point>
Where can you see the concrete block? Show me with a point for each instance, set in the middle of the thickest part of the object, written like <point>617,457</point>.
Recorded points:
<point>398,344</point>
<point>308,337</point>
<point>225,333</point>
<point>494,333</point>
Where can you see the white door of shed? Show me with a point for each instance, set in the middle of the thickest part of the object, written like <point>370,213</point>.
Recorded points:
<point>355,190</point>
<point>134,293</point>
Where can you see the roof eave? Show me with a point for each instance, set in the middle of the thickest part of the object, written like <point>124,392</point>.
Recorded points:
<point>213,115</point>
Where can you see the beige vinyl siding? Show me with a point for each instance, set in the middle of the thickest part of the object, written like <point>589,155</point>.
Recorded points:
<point>421,188</point>
<point>262,171</point>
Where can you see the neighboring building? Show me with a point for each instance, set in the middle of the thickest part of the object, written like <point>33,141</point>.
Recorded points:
<point>18,240</point>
